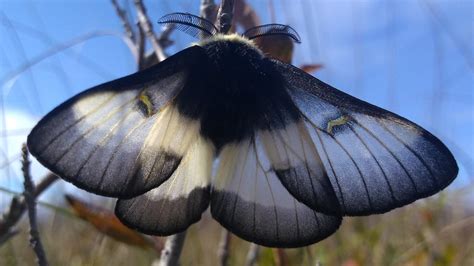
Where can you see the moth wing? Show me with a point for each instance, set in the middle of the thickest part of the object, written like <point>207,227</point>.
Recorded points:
<point>376,160</point>
<point>248,199</point>
<point>124,137</point>
<point>178,202</point>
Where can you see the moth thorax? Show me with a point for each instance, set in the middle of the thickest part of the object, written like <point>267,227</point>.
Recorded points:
<point>232,52</point>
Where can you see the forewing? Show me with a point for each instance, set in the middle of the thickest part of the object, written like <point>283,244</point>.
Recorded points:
<point>121,138</point>
<point>179,201</point>
<point>376,160</point>
<point>248,199</point>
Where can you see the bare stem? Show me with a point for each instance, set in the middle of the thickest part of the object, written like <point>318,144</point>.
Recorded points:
<point>224,16</point>
<point>18,206</point>
<point>173,246</point>
<point>140,48</point>
<point>252,255</point>
<point>148,29</point>
<point>224,244</point>
<point>29,194</point>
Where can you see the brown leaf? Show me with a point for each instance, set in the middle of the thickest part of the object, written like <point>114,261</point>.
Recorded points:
<point>276,46</point>
<point>310,68</point>
<point>245,15</point>
<point>107,223</point>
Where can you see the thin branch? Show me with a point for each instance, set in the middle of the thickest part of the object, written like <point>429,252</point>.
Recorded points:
<point>125,22</point>
<point>224,16</point>
<point>8,235</point>
<point>148,29</point>
<point>47,181</point>
<point>224,245</point>
<point>150,58</point>
<point>164,39</point>
<point>252,255</point>
<point>18,206</point>
<point>30,199</point>
<point>173,246</point>
<point>140,48</point>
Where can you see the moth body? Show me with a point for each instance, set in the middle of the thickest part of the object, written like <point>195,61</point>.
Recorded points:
<point>234,91</point>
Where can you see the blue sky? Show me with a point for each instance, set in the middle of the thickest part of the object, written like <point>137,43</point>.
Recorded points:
<point>414,58</point>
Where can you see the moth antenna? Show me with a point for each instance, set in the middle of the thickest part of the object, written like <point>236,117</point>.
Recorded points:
<point>272,29</point>
<point>190,24</point>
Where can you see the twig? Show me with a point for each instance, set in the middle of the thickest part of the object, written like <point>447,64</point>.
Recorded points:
<point>140,48</point>
<point>173,246</point>
<point>29,194</point>
<point>18,206</point>
<point>252,255</point>
<point>224,16</point>
<point>223,250</point>
<point>150,58</point>
<point>8,235</point>
<point>126,24</point>
<point>148,29</point>
<point>164,39</point>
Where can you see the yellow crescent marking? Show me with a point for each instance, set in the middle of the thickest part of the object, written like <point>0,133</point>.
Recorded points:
<point>337,122</point>
<point>146,101</point>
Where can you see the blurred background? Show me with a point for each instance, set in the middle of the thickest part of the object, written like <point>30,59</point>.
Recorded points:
<point>414,58</point>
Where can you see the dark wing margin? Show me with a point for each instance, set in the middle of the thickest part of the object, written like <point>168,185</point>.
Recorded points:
<point>178,202</point>
<point>121,138</point>
<point>248,199</point>
<point>376,160</point>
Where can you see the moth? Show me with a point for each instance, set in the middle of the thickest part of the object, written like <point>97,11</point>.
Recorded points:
<point>292,154</point>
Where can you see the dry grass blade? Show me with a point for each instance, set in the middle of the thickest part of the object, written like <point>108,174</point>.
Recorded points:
<point>56,49</point>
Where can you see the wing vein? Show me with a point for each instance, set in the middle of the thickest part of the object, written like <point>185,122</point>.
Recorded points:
<point>269,187</point>
<point>412,151</point>
<point>316,128</point>
<point>94,126</point>
<point>78,120</point>
<point>240,182</point>
<point>376,161</point>
<point>102,143</point>
<point>391,153</point>
<point>332,170</point>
